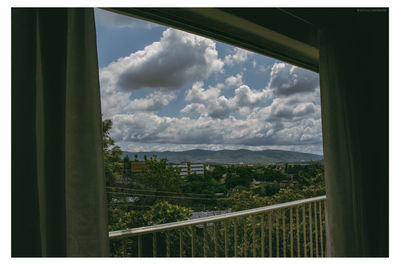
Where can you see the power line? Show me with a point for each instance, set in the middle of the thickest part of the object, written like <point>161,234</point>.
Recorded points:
<point>159,191</point>
<point>129,204</point>
<point>165,196</point>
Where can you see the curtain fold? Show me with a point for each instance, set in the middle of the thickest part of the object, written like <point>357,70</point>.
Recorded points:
<point>58,195</point>
<point>354,105</point>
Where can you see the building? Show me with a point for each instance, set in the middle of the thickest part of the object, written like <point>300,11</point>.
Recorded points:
<point>187,168</point>
<point>137,167</point>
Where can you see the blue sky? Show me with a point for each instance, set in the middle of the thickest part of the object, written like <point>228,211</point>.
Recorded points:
<point>166,89</point>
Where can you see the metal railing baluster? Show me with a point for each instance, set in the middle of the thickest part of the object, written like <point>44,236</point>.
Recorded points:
<point>154,244</point>
<point>298,232</point>
<point>262,236</point>
<point>304,231</point>
<point>316,229</point>
<point>270,234</point>
<point>205,240</point>
<point>311,237</point>
<point>124,247</point>
<point>193,234</point>
<point>253,219</point>
<point>140,246</point>
<point>291,231</point>
<point>245,245</point>
<point>167,244</point>
<point>180,243</point>
<point>320,229</point>
<point>226,238</point>
<point>215,240</point>
<point>284,232</point>
<point>235,235</point>
<point>325,209</point>
<point>277,234</point>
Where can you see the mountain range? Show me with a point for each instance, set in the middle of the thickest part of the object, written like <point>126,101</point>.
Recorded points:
<point>229,156</point>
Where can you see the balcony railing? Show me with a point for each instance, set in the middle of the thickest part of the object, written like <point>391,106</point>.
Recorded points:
<point>292,229</point>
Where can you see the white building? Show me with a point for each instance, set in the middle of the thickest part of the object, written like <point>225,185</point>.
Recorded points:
<point>187,168</point>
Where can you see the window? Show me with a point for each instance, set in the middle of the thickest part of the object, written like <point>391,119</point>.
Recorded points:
<point>233,126</point>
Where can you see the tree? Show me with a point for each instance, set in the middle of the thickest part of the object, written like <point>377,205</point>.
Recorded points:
<point>160,213</point>
<point>165,212</point>
<point>159,176</point>
<point>238,177</point>
<point>127,167</point>
<point>112,155</point>
<point>245,200</point>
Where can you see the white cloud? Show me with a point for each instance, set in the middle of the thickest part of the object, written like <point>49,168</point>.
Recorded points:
<point>288,123</point>
<point>234,80</point>
<point>178,58</point>
<point>289,79</point>
<point>244,96</point>
<point>150,128</point>
<point>291,108</point>
<point>284,114</point>
<point>198,94</point>
<point>147,147</point>
<point>193,108</point>
<point>218,106</point>
<point>239,56</point>
<point>153,102</point>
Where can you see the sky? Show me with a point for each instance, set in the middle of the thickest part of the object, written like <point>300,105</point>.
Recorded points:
<point>166,89</point>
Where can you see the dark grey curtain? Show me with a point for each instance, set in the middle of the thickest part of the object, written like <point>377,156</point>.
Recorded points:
<point>354,101</point>
<point>58,197</point>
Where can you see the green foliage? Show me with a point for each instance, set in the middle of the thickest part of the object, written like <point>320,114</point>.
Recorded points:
<point>245,200</point>
<point>129,219</point>
<point>127,165</point>
<point>159,176</point>
<point>201,184</point>
<point>160,213</point>
<point>310,184</point>
<point>292,193</point>
<point>269,173</point>
<point>238,176</point>
<point>112,155</point>
<point>164,212</point>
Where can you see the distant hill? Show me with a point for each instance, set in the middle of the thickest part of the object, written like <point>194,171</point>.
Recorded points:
<point>230,156</point>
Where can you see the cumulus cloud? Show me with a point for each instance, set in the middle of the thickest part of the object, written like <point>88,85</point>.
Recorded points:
<point>239,56</point>
<point>193,108</point>
<point>289,79</point>
<point>153,102</point>
<point>218,106</point>
<point>221,108</point>
<point>291,108</point>
<point>114,20</point>
<point>150,128</point>
<point>285,113</point>
<point>292,122</point>
<point>234,80</point>
<point>147,147</point>
<point>198,94</point>
<point>244,96</point>
<point>178,58</point>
